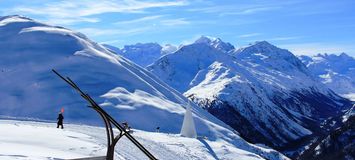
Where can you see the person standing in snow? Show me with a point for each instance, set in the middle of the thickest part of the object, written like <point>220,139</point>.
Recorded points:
<point>60,119</point>
<point>157,129</point>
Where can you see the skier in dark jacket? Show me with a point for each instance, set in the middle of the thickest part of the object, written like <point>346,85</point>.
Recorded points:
<point>60,120</point>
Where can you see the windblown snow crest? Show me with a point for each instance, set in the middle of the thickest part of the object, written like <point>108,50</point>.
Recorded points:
<point>29,50</point>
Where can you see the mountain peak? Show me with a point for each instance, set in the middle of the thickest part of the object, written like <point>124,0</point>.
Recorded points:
<point>215,43</point>
<point>262,47</point>
<point>264,53</point>
<point>264,44</point>
<point>344,55</point>
<point>205,39</point>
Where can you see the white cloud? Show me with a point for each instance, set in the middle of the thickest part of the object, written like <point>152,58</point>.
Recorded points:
<point>139,20</point>
<point>155,20</point>
<point>174,22</point>
<point>315,48</point>
<point>240,9</point>
<point>249,35</point>
<point>250,11</point>
<point>275,38</point>
<point>65,21</point>
<point>81,10</point>
<point>122,31</point>
<point>284,38</point>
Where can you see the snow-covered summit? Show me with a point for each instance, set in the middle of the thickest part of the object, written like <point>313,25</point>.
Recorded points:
<point>180,67</point>
<point>266,54</point>
<point>28,88</point>
<point>216,43</point>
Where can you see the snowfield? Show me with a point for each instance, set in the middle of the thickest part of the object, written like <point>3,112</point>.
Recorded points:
<point>38,140</point>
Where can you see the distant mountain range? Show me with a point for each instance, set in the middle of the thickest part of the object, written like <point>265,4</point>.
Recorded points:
<point>266,93</point>
<point>335,71</point>
<point>143,54</point>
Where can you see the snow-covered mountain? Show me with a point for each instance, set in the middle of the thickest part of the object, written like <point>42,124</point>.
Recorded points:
<point>266,93</point>
<point>335,71</point>
<point>180,68</point>
<point>143,54</point>
<point>30,49</point>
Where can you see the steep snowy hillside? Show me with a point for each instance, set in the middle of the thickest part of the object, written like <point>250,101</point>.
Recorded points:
<point>263,92</point>
<point>143,54</point>
<point>339,144</point>
<point>337,72</point>
<point>28,88</point>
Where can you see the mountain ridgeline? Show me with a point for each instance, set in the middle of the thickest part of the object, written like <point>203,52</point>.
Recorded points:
<point>266,93</point>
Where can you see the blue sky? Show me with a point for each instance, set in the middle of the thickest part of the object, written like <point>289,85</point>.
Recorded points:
<point>304,27</point>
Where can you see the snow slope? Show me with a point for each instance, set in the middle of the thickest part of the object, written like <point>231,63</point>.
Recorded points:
<point>265,88</point>
<point>28,88</point>
<point>38,140</point>
<point>335,71</point>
